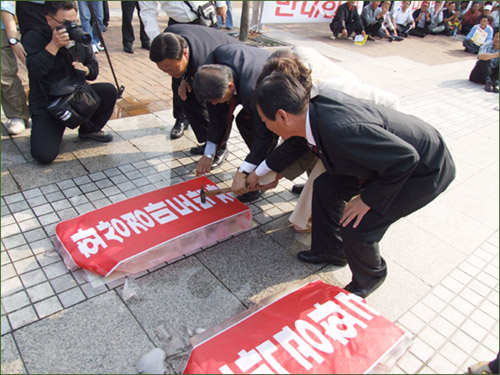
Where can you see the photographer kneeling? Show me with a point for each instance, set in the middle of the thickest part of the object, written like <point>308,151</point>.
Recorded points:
<point>61,52</point>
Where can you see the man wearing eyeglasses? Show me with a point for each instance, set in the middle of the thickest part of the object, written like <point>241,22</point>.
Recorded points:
<point>52,56</point>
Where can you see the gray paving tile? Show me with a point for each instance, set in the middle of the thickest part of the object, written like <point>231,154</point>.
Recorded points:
<point>11,286</point>
<point>8,271</point>
<point>13,241</point>
<point>474,330</point>
<point>15,301</point>
<point>442,365</point>
<point>48,307</point>
<point>11,360</point>
<point>22,317</point>
<point>33,278</point>
<point>26,265</point>
<point>5,326</point>
<point>62,283</point>
<point>421,350</point>
<point>40,292</point>
<point>409,363</point>
<point>196,298</point>
<point>93,352</point>
<point>71,297</point>
<point>55,269</point>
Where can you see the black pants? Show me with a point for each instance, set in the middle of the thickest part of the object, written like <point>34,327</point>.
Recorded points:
<point>494,365</point>
<point>336,28</point>
<point>373,29</point>
<point>421,32</point>
<point>47,131</point>
<point>403,29</point>
<point>128,38</point>
<point>482,70</point>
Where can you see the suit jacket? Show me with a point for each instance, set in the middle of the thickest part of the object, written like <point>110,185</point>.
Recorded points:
<point>246,64</point>
<point>202,41</point>
<point>345,17</point>
<point>391,151</point>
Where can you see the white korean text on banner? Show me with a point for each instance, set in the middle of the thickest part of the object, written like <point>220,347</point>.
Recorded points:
<point>302,11</point>
<point>315,329</point>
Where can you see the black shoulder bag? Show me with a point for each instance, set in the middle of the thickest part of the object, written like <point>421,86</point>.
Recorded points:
<point>207,13</point>
<point>75,101</point>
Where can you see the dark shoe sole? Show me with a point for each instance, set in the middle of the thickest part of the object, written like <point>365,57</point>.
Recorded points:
<point>250,197</point>
<point>303,256</point>
<point>366,291</point>
<point>103,139</point>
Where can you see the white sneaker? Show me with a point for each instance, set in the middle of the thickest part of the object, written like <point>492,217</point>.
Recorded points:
<point>15,126</point>
<point>100,47</point>
<point>332,37</point>
<point>94,48</point>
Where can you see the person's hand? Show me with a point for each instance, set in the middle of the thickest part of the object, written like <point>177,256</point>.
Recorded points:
<point>355,210</point>
<point>239,186</point>
<point>19,51</point>
<point>184,88</point>
<point>344,33</point>
<point>204,166</point>
<point>272,184</point>
<point>363,33</point>
<point>222,12</point>
<point>60,38</point>
<point>252,181</point>
<point>79,66</point>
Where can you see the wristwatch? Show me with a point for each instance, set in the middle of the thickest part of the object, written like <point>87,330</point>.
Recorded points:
<point>13,41</point>
<point>210,156</point>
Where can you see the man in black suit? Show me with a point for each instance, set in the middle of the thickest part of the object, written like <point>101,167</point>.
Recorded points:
<point>383,163</point>
<point>228,78</point>
<point>179,51</point>
<point>346,21</point>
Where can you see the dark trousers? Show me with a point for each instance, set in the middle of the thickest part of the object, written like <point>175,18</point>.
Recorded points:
<point>128,38</point>
<point>105,12</point>
<point>47,131</point>
<point>470,46</point>
<point>403,29</point>
<point>336,28</point>
<point>190,110</point>
<point>494,365</point>
<point>482,70</point>
<point>421,32</point>
<point>373,29</point>
<point>359,245</point>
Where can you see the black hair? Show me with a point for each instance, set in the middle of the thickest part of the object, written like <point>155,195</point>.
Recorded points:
<point>167,46</point>
<point>211,81</point>
<point>51,7</point>
<point>281,91</point>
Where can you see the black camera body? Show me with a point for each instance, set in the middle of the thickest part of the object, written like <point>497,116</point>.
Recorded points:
<point>76,33</point>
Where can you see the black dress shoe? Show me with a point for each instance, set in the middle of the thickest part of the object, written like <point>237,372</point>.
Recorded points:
<point>249,197</point>
<point>146,45</point>
<point>198,150</point>
<point>297,189</point>
<point>128,49</point>
<point>317,258</point>
<point>178,129</point>
<point>365,291</point>
<point>220,156</point>
<point>99,136</point>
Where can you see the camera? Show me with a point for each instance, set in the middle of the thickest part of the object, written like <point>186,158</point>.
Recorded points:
<point>76,33</point>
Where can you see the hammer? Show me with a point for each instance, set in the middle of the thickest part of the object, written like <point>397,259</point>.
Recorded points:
<point>204,194</point>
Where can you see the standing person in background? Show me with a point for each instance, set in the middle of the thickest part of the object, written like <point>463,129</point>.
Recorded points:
<point>229,17</point>
<point>85,18</point>
<point>105,18</point>
<point>127,28</point>
<point>178,12</point>
<point>13,96</point>
<point>30,15</point>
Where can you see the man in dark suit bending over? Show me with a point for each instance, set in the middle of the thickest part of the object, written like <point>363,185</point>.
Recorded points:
<point>381,165</point>
<point>228,79</point>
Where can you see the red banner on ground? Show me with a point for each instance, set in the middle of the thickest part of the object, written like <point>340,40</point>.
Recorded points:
<point>140,232</point>
<point>318,328</point>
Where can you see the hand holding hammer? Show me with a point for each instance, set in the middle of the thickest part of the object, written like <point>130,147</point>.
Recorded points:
<point>204,194</point>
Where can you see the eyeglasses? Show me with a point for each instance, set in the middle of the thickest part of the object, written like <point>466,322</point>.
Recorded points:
<point>63,21</point>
